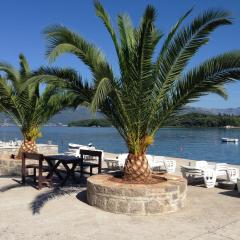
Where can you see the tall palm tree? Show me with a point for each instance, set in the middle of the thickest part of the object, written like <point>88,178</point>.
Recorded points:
<point>152,85</point>
<point>30,107</point>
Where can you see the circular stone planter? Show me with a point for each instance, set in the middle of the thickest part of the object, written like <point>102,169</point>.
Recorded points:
<point>136,199</point>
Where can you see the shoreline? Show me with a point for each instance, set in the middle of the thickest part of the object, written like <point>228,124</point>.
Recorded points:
<point>165,127</point>
<point>180,161</point>
<point>14,165</point>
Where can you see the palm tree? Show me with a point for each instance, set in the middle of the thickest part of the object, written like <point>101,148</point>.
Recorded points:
<point>151,85</point>
<point>30,107</point>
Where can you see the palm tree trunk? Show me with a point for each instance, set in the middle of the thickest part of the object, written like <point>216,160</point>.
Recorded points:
<point>27,146</point>
<point>137,169</point>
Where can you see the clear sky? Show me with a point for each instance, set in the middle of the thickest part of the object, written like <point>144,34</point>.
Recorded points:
<point>22,23</point>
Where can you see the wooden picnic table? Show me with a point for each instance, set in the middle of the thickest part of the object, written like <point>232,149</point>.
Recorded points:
<point>85,160</point>
<point>54,161</point>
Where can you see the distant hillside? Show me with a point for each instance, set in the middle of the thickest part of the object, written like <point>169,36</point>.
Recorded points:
<point>70,115</point>
<point>63,117</point>
<point>183,120</point>
<point>82,113</point>
<point>203,120</point>
<point>213,111</point>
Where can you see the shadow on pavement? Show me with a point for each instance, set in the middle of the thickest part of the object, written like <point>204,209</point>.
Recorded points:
<point>42,198</point>
<point>231,193</point>
<point>8,187</point>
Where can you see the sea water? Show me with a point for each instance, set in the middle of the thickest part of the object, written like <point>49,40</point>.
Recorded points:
<point>190,143</point>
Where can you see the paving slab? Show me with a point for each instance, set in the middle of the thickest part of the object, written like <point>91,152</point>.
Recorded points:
<point>26,213</point>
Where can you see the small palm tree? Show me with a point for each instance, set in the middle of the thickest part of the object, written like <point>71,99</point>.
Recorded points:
<point>151,85</point>
<point>29,108</point>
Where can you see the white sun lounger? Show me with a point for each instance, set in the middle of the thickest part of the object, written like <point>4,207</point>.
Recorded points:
<point>209,173</point>
<point>157,163</point>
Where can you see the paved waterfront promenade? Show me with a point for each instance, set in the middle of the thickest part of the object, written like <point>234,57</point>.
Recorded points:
<point>25,213</point>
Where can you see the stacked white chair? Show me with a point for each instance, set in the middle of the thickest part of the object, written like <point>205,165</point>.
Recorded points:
<point>158,163</point>
<point>150,160</point>
<point>170,165</point>
<point>192,174</point>
<point>221,169</point>
<point>195,173</point>
<point>121,160</point>
<point>210,178</point>
<point>232,174</point>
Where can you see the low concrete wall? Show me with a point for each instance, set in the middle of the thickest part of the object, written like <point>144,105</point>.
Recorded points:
<point>11,167</point>
<point>42,148</point>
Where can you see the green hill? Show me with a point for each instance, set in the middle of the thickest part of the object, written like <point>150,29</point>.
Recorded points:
<point>184,120</point>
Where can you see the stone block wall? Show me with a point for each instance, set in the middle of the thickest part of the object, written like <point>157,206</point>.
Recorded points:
<point>42,148</point>
<point>12,167</point>
<point>137,199</point>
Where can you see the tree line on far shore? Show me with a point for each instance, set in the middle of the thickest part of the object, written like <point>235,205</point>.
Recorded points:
<point>185,120</point>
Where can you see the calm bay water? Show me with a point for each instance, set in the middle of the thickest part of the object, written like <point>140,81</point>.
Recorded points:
<point>198,144</point>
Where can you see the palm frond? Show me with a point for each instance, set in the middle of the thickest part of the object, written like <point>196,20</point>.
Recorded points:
<point>11,72</point>
<point>24,66</point>
<point>64,78</point>
<point>104,89</point>
<point>22,100</point>
<point>208,77</point>
<point>169,39</point>
<point>100,12</point>
<point>148,89</point>
<point>61,40</point>
<point>182,48</point>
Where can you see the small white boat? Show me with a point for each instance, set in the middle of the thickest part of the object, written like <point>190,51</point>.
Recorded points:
<point>73,149</point>
<point>77,146</point>
<point>74,146</point>
<point>234,140</point>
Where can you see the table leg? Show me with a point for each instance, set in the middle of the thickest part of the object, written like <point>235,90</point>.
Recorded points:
<point>53,169</point>
<point>40,177</point>
<point>23,171</point>
<point>81,167</point>
<point>69,172</point>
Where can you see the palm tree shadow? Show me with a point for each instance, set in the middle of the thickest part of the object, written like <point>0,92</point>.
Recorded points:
<point>8,187</point>
<point>231,193</point>
<point>82,196</point>
<point>41,199</point>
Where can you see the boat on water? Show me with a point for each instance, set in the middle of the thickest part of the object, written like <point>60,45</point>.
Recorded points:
<point>232,140</point>
<point>73,148</point>
<point>78,146</point>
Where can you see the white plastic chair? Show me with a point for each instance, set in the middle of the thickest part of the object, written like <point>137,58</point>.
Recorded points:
<point>221,169</point>
<point>192,174</point>
<point>121,159</point>
<point>232,174</point>
<point>159,159</point>
<point>209,177</point>
<point>158,163</point>
<point>170,165</point>
<point>150,160</point>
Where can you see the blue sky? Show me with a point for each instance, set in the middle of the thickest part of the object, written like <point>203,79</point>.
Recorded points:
<point>22,23</point>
